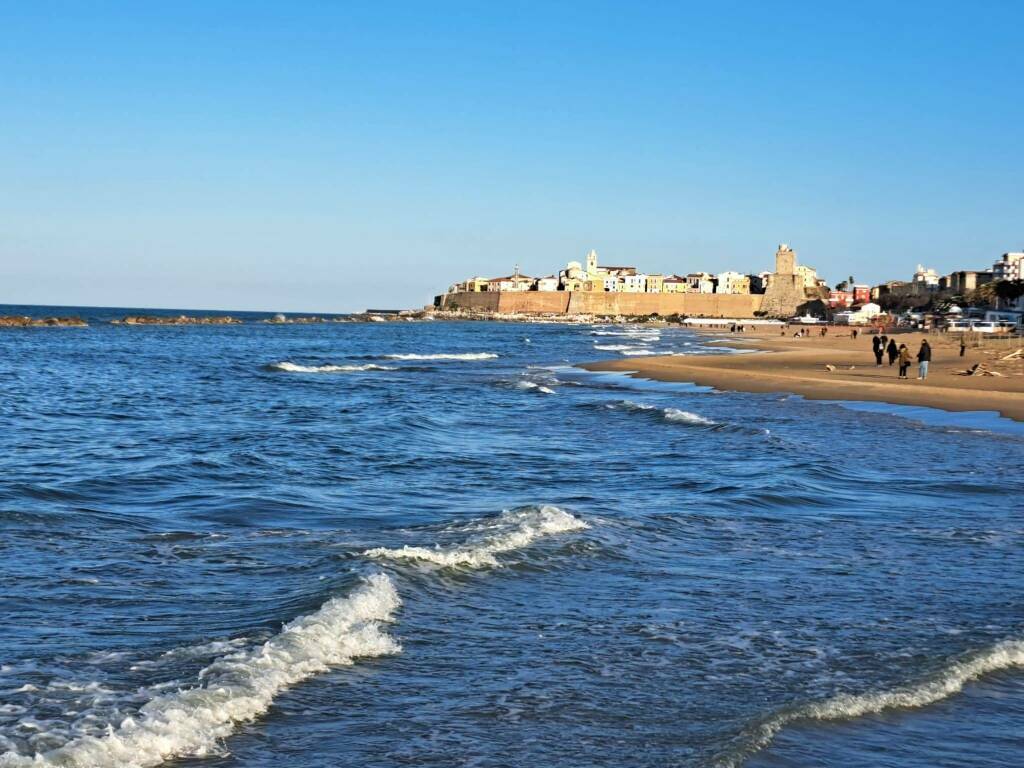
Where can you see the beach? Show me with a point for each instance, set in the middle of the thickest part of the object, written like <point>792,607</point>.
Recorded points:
<point>785,363</point>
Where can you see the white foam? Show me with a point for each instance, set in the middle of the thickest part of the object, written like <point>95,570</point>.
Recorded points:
<point>446,356</point>
<point>948,682</point>
<point>636,352</point>
<point>295,368</point>
<point>532,386</point>
<point>613,347</point>
<point>512,530</point>
<point>685,417</point>
<point>237,687</point>
<point>669,414</point>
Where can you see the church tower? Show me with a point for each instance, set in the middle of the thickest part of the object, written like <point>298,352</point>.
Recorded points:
<point>592,263</point>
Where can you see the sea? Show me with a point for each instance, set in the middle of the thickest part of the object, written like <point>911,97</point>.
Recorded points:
<point>444,544</point>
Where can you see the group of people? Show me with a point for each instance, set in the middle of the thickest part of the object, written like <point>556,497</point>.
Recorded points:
<point>883,345</point>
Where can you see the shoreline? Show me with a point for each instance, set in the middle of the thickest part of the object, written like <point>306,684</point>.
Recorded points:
<point>797,366</point>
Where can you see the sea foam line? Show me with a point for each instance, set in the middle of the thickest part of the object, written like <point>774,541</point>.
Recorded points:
<point>237,687</point>
<point>295,368</point>
<point>514,529</point>
<point>445,356</point>
<point>948,682</point>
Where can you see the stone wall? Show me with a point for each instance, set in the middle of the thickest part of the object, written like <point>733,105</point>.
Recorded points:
<point>603,303</point>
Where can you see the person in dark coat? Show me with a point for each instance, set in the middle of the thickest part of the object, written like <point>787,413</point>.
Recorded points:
<point>892,351</point>
<point>924,356</point>
<point>904,358</point>
<point>963,345</point>
<point>878,347</point>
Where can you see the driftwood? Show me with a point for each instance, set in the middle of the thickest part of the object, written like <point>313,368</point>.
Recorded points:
<point>978,369</point>
<point>1014,355</point>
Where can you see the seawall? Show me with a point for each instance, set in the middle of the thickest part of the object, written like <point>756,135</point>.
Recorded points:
<point>602,303</point>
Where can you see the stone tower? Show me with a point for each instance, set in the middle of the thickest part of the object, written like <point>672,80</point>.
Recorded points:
<point>592,262</point>
<point>785,260</point>
<point>785,292</point>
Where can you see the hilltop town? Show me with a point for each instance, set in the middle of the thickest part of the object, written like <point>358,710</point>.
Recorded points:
<point>790,289</point>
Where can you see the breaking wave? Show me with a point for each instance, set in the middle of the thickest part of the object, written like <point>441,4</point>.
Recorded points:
<point>676,415</point>
<point>295,368</point>
<point>445,356</point>
<point>948,682</point>
<point>511,530</point>
<point>237,687</point>
<point>686,417</point>
<point>532,386</point>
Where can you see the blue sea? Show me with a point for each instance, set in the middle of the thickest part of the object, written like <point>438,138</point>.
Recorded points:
<point>443,544</point>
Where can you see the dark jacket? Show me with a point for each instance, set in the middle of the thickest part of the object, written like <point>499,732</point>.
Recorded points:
<point>925,354</point>
<point>891,349</point>
<point>876,343</point>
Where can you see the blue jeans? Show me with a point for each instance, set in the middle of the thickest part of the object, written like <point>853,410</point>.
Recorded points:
<point>922,369</point>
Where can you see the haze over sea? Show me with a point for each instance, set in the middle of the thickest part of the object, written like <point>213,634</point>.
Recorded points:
<point>440,544</point>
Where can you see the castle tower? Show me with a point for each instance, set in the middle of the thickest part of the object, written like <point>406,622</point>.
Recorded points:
<point>785,292</point>
<point>592,262</point>
<point>785,260</point>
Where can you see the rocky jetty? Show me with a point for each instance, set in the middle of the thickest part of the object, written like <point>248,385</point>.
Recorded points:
<point>22,321</point>
<point>312,319</point>
<point>179,320</point>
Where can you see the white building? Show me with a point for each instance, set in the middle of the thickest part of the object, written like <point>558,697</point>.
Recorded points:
<point>549,283</point>
<point>700,282</point>
<point>1009,267</point>
<point>924,281</point>
<point>733,282</point>
<point>862,316</point>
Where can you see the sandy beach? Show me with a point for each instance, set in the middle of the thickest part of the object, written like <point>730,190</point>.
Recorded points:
<point>798,365</point>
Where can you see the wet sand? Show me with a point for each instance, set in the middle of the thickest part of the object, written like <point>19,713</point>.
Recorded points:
<point>797,365</point>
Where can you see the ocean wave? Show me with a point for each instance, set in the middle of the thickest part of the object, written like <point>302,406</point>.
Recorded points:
<point>947,682</point>
<point>685,417</point>
<point>295,368</point>
<point>237,687</point>
<point>676,415</point>
<point>511,530</point>
<point>445,356</point>
<point>613,347</point>
<point>636,352</point>
<point>532,386</point>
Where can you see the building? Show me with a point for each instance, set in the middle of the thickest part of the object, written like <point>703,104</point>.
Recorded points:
<point>861,293</point>
<point>732,282</point>
<point>513,282</point>
<point>808,276</point>
<point>654,284</point>
<point>968,280</point>
<point>549,283</point>
<point>701,282</point>
<point>924,281</point>
<point>861,316</point>
<point>840,299</point>
<point>1009,267</point>
<point>675,284</point>
<point>785,292</point>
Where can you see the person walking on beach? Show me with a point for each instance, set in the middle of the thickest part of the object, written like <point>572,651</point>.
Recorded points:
<point>904,358</point>
<point>924,356</point>
<point>877,346</point>
<point>963,345</point>
<point>892,351</point>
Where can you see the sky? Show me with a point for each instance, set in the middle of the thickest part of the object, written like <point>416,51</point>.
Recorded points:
<point>331,156</point>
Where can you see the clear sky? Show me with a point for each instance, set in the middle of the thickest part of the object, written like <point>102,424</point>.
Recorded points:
<point>329,156</point>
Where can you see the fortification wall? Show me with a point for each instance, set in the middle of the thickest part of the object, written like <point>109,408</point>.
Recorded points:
<point>602,303</point>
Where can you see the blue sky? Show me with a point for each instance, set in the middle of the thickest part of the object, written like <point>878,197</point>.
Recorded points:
<point>323,156</point>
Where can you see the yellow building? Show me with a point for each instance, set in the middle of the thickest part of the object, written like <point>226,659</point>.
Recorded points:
<point>477,284</point>
<point>655,283</point>
<point>675,284</point>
